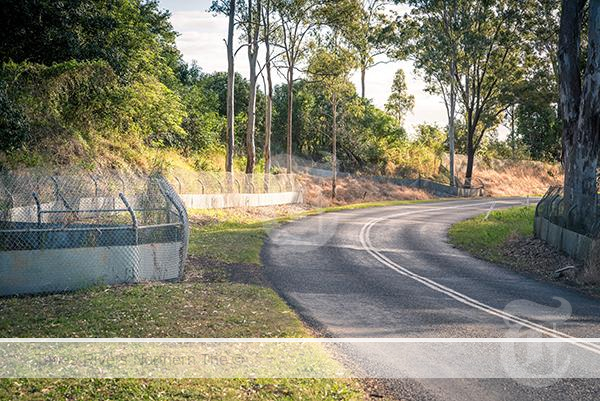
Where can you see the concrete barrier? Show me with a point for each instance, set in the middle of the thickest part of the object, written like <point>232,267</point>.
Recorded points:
<point>222,201</point>
<point>574,244</point>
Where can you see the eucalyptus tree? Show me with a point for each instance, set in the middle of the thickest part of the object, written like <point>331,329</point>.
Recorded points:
<point>373,36</point>
<point>269,32</point>
<point>580,108</point>
<point>297,19</point>
<point>400,101</point>
<point>228,7</point>
<point>430,38</point>
<point>472,47</point>
<point>252,24</point>
<point>332,60</point>
<point>329,67</point>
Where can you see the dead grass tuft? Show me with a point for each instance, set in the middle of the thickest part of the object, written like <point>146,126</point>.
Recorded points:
<point>590,274</point>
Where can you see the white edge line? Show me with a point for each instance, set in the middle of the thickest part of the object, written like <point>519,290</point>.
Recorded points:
<point>462,298</point>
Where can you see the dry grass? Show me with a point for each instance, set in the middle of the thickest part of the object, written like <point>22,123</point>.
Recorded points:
<point>509,178</point>
<point>590,275</point>
<point>317,191</point>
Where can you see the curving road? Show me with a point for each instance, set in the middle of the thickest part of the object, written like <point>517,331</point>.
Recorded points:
<point>389,272</point>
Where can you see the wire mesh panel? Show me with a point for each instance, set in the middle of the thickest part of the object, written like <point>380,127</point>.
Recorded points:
<point>66,231</point>
<point>233,183</point>
<point>209,190</point>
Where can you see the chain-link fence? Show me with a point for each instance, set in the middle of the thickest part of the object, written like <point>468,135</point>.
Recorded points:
<point>66,231</point>
<point>552,207</point>
<point>555,224</point>
<point>237,183</point>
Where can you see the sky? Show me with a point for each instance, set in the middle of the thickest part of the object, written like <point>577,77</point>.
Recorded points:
<point>201,38</point>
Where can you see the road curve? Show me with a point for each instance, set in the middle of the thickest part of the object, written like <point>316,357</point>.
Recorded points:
<point>389,272</point>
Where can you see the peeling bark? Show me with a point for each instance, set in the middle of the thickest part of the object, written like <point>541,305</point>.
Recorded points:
<point>580,112</point>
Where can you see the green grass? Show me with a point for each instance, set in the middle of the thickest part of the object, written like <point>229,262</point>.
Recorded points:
<point>153,310</point>
<point>186,309</point>
<point>178,390</point>
<point>485,237</point>
<point>229,241</point>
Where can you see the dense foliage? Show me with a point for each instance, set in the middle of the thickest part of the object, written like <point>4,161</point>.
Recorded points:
<point>102,82</point>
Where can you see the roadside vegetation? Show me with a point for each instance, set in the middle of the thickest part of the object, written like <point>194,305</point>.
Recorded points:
<point>75,92</point>
<point>223,295</point>
<point>485,236</point>
<point>506,237</point>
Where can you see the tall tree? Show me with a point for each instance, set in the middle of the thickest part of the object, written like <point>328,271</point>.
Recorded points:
<point>432,43</point>
<point>372,37</point>
<point>481,39</point>
<point>252,21</point>
<point>297,19</point>
<point>228,7</point>
<point>269,30</point>
<point>580,109</point>
<point>330,68</point>
<point>400,101</point>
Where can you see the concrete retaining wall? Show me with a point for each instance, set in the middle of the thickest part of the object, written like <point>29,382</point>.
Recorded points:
<point>222,201</point>
<point>575,245</point>
<point>54,270</point>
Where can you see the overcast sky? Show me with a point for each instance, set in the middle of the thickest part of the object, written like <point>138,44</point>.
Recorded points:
<point>201,39</point>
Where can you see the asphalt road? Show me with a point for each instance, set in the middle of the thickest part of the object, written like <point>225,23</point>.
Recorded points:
<point>389,272</point>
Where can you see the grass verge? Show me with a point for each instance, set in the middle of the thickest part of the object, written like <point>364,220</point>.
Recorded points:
<point>197,307</point>
<point>506,237</point>
<point>485,236</point>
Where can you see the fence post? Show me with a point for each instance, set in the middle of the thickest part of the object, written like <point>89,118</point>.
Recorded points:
<point>178,183</point>
<point>183,218</point>
<point>38,206</point>
<point>95,184</point>
<point>134,223</point>
<point>58,195</point>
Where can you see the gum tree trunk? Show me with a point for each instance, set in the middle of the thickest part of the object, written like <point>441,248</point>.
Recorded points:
<point>230,135</point>
<point>253,33</point>
<point>269,97</point>
<point>580,112</point>
<point>290,108</point>
<point>334,148</point>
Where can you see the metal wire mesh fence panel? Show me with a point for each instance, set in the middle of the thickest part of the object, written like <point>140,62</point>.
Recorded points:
<point>555,223</point>
<point>233,183</point>
<point>66,231</point>
<point>552,207</point>
<point>208,190</point>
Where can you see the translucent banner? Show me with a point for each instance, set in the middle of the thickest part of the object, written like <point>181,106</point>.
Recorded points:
<point>525,358</point>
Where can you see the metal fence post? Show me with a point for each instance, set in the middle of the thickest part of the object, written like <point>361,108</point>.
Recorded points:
<point>38,208</point>
<point>134,222</point>
<point>178,183</point>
